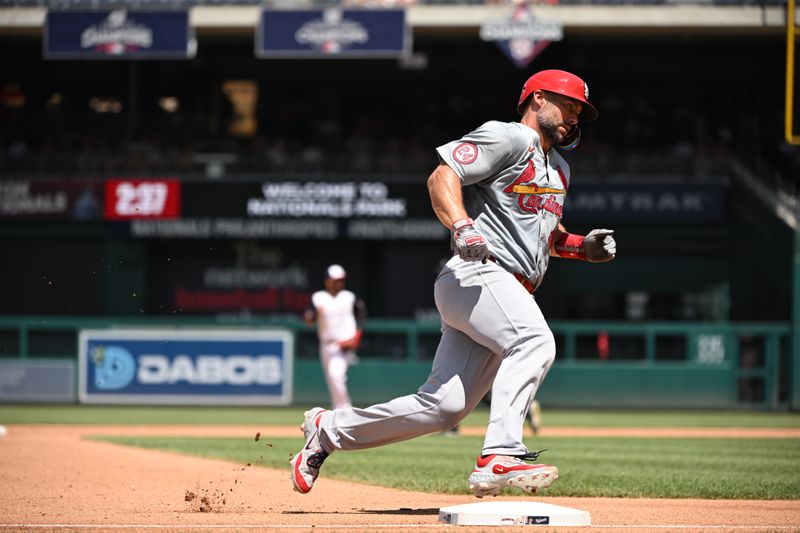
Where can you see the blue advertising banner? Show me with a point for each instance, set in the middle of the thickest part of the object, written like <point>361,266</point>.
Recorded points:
<point>118,34</point>
<point>328,33</point>
<point>185,367</point>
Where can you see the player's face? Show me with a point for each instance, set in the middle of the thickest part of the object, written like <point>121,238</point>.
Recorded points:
<point>334,285</point>
<point>557,117</point>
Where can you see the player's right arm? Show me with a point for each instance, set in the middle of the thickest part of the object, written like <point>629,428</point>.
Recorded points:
<point>310,316</point>
<point>444,187</point>
<point>476,157</point>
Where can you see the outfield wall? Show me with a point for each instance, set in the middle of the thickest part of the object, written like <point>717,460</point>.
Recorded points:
<point>599,365</point>
<point>584,385</point>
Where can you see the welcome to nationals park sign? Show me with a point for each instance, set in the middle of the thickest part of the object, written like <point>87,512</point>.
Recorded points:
<point>169,208</point>
<point>368,210</point>
<point>379,211</point>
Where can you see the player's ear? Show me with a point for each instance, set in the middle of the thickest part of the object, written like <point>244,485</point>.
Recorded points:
<point>537,99</point>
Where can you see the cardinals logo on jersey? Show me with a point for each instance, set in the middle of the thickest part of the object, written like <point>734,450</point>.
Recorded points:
<point>531,196</point>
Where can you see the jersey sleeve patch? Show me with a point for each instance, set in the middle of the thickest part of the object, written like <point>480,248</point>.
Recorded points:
<point>465,153</point>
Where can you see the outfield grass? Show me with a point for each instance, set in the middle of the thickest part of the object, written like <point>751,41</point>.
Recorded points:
<point>90,414</point>
<point>609,467</point>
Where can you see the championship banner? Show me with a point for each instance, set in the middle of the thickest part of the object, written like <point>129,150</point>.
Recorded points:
<point>522,36</point>
<point>185,367</point>
<point>118,34</point>
<point>331,33</point>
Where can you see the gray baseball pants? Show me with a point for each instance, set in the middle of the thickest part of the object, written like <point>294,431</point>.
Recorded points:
<point>493,336</point>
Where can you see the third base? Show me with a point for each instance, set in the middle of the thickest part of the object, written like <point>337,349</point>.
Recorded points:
<point>513,514</point>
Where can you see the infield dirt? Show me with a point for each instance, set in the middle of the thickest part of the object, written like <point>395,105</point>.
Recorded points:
<point>53,480</point>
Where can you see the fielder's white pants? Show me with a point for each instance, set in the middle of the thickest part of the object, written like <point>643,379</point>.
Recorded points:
<point>493,336</point>
<point>335,362</point>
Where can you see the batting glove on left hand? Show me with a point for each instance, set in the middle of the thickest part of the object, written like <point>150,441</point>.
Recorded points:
<point>600,246</point>
<point>467,242</point>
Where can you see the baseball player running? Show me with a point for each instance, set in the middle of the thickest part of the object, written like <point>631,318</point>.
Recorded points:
<point>500,189</point>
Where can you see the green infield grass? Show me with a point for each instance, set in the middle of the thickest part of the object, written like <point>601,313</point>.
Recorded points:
<point>96,414</point>
<point>608,467</point>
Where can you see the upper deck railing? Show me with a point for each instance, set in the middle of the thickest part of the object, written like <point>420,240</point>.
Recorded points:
<point>97,4</point>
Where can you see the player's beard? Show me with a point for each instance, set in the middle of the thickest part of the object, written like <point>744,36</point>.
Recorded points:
<point>549,124</point>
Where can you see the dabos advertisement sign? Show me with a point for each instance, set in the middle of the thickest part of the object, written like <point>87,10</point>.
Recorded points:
<point>185,367</point>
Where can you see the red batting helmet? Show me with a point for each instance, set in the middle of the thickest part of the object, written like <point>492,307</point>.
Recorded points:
<point>560,82</point>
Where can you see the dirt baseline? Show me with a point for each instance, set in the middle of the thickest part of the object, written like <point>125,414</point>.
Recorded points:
<point>53,480</point>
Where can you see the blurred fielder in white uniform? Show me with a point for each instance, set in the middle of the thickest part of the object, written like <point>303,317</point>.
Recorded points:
<point>338,313</point>
<point>501,190</point>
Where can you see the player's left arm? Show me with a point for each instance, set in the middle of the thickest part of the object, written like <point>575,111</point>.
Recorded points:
<point>360,310</point>
<point>598,246</point>
<point>360,314</point>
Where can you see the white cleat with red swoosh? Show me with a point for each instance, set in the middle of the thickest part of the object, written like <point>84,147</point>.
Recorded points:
<point>494,472</point>
<point>306,462</point>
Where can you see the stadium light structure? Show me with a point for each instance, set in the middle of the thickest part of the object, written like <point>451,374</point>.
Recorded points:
<point>791,138</point>
<point>794,339</point>
<point>791,31</point>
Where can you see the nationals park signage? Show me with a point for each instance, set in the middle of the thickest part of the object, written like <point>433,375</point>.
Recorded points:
<point>168,207</point>
<point>365,210</point>
<point>396,211</point>
<point>160,366</point>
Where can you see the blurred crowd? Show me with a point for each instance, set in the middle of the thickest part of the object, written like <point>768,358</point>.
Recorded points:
<point>340,138</point>
<point>639,136</point>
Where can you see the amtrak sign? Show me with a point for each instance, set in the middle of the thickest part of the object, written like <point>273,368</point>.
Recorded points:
<point>638,203</point>
<point>522,36</point>
<point>225,367</point>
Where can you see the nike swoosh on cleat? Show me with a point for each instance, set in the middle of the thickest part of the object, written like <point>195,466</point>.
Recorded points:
<point>502,469</point>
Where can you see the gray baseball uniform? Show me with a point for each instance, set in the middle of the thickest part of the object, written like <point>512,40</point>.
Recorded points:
<point>493,333</point>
